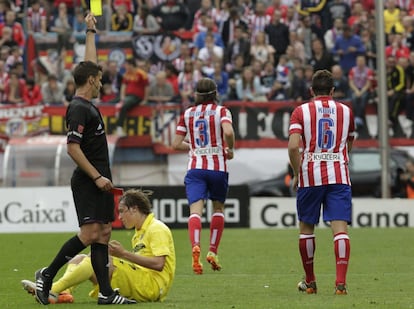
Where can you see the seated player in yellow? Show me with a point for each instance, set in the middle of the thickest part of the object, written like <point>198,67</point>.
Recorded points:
<point>146,274</point>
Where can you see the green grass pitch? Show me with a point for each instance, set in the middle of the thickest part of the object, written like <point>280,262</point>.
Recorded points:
<point>260,270</point>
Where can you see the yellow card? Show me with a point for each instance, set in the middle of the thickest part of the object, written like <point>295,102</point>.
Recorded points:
<point>96,7</point>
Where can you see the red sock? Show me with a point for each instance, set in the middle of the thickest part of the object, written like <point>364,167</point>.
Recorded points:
<point>342,249</point>
<point>194,229</point>
<point>216,230</point>
<point>307,250</point>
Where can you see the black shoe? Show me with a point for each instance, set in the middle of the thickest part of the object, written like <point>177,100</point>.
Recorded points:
<point>114,299</point>
<point>43,286</point>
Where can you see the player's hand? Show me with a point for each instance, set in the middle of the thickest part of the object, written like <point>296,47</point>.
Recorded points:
<point>229,153</point>
<point>104,183</point>
<point>115,248</point>
<point>295,183</point>
<point>90,21</point>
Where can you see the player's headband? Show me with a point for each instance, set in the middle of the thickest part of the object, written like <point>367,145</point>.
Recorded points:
<point>206,93</point>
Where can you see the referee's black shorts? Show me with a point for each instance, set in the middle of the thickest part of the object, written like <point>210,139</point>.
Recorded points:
<point>92,204</point>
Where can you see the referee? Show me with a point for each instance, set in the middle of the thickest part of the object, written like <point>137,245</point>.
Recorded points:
<point>91,181</point>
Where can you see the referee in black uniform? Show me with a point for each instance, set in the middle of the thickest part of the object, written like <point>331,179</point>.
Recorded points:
<point>91,181</point>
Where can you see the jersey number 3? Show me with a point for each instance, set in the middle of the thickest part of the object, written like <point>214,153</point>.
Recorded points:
<point>201,126</point>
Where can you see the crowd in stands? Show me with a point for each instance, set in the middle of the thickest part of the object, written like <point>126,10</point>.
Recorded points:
<point>263,50</point>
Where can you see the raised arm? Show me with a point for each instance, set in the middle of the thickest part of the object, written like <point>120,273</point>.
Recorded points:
<point>90,47</point>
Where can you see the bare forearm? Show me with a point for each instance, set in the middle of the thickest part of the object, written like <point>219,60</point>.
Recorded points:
<point>155,262</point>
<point>90,50</point>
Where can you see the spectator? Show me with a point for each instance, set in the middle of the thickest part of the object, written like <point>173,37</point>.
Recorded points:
<point>209,54</point>
<point>299,91</point>
<point>17,31</point>
<point>7,40</point>
<point>282,10</point>
<point>268,77</point>
<point>145,22</point>
<point>200,37</point>
<point>258,21</point>
<point>221,78</point>
<point>62,26</point>
<point>4,7</point>
<point>391,15</point>
<point>32,93</point>
<point>359,17</point>
<point>347,47</point>
<point>113,78</point>
<point>308,79</point>
<point>129,5</point>
<point>297,46</point>
<point>395,93</point>
<point>283,73</point>
<point>246,7</point>
<point>223,15</point>
<point>187,80</point>
<point>337,9</point>
<point>321,59</point>
<point>228,31</point>
<point>397,47</point>
<point>52,91</point>
<point>134,92</point>
<point>261,50</point>
<point>206,9</point>
<point>14,57</point>
<point>14,89</point>
<point>277,35</point>
<point>36,21</point>
<point>270,85</point>
<point>185,53</point>
<point>238,46</point>
<point>292,18</point>
<point>307,32</point>
<point>408,32</point>
<point>160,92</point>
<point>70,8</point>
<point>69,91</point>
<point>248,87</point>
<point>369,41</point>
<point>4,76</point>
<point>172,15</point>
<point>107,96</point>
<point>333,33</point>
<point>79,27</point>
<point>121,19</point>
<point>235,71</point>
<point>360,78</point>
<point>341,84</point>
<point>172,78</point>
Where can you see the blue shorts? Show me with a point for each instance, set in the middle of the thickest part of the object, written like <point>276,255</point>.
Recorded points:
<point>336,200</point>
<point>205,184</point>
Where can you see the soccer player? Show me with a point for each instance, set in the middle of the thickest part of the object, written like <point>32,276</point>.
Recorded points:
<point>325,130</point>
<point>211,142</point>
<point>91,180</point>
<point>145,274</point>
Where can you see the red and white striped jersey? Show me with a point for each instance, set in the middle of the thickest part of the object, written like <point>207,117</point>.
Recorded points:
<point>202,125</point>
<point>325,126</point>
